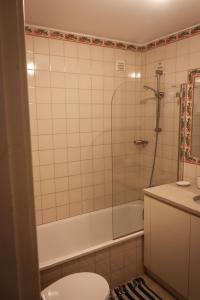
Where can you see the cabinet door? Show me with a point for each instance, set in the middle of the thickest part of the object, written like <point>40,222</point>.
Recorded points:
<point>194,280</point>
<point>169,245</point>
<point>147,232</point>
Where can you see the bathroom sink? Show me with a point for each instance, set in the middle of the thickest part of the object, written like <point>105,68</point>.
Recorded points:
<point>197,199</point>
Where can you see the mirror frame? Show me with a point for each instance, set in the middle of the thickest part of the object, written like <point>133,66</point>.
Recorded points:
<point>187,103</point>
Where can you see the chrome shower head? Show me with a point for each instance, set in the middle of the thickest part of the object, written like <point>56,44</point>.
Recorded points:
<point>146,87</point>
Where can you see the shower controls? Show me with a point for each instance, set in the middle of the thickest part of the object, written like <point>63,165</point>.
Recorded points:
<point>140,142</point>
<point>158,129</point>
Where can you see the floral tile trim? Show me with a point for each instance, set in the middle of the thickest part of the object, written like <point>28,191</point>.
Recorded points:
<point>41,32</point>
<point>66,36</point>
<point>186,120</point>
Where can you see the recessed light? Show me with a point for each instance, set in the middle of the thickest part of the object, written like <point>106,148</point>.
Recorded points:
<point>159,1</point>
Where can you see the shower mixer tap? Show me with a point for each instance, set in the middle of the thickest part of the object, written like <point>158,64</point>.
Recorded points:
<point>140,142</point>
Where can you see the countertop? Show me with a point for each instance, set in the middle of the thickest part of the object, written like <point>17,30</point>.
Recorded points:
<point>177,196</point>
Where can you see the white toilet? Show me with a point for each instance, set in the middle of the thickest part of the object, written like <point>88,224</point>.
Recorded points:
<point>78,286</point>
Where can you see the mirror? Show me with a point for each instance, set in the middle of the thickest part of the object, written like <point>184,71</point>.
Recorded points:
<point>195,147</point>
<point>190,118</point>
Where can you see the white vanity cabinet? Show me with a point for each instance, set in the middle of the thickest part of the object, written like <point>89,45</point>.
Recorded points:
<point>172,238</point>
<point>167,244</point>
<point>194,276</point>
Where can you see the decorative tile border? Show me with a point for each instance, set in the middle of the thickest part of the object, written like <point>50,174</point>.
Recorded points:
<point>186,119</point>
<point>73,37</point>
<point>91,40</point>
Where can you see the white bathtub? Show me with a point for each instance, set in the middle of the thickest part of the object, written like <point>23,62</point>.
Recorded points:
<point>67,239</point>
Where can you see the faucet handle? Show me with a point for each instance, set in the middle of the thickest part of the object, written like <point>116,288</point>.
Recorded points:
<point>140,142</point>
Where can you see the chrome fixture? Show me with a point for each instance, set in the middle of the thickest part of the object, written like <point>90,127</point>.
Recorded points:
<point>140,142</point>
<point>197,199</point>
<point>159,95</point>
<point>156,93</point>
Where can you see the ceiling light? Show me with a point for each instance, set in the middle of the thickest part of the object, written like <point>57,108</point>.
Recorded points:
<point>159,1</point>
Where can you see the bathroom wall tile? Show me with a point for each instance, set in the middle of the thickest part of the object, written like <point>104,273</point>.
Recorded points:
<point>86,166</point>
<point>30,78</point>
<point>30,61</point>
<point>61,184</point>
<point>96,53</point>
<point>75,195</point>
<point>75,209</point>
<point>74,154</point>
<point>44,111</point>
<point>42,78</point>
<point>171,50</point>
<point>62,198</point>
<point>46,172</point>
<point>72,65</point>
<point>46,157</point>
<point>41,45</point>
<point>56,47</point>
<point>45,126</point>
<point>108,54</point>
<point>70,94</point>
<point>49,215</point>
<point>58,95</point>
<point>42,95</point>
<point>117,277</point>
<point>87,206</point>
<point>183,47</point>
<point>98,262</point>
<point>60,155</point>
<point>45,142</point>
<point>85,125</point>
<point>73,139</point>
<point>41,62</point>
<point>194,44</point>
<point>71,81</point>
<point>58,111</point>
<point>61,169</point>
<point>75,182</point>
<point>84,51</point>
<point>87,193</point>
<point>60,140</point>
<point>62,212</point>
<point>74,168</point>
<point>73,111</point>
<point>29,43</point>
<point>34,142</point>
<point>190,172</point>
<point>48,201</point>
<point>37,188</point>
<point>70,49</point>
<point>48,186</point>
<point>36,173</point>
<point>194,60</point>
<point>57,64</point>
<point>35,158</point>
<point>59,126</point>
<point>39,217</point>
<point>50,275</point>
<point>84,96</point>
<point>182,63</point>
<point>57,80</point>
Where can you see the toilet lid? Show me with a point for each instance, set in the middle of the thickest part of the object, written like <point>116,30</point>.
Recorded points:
<point>78,286</point>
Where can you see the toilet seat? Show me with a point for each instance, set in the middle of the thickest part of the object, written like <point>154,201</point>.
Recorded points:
<point>78,286</point>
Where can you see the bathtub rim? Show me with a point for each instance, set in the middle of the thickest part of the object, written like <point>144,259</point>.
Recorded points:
<point>138,202</point>
<point>63,259</point>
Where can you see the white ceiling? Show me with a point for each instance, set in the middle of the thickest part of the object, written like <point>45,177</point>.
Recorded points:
<point>138,21</point>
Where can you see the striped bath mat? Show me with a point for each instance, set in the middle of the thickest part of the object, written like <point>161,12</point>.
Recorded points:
<point>134,290</point>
